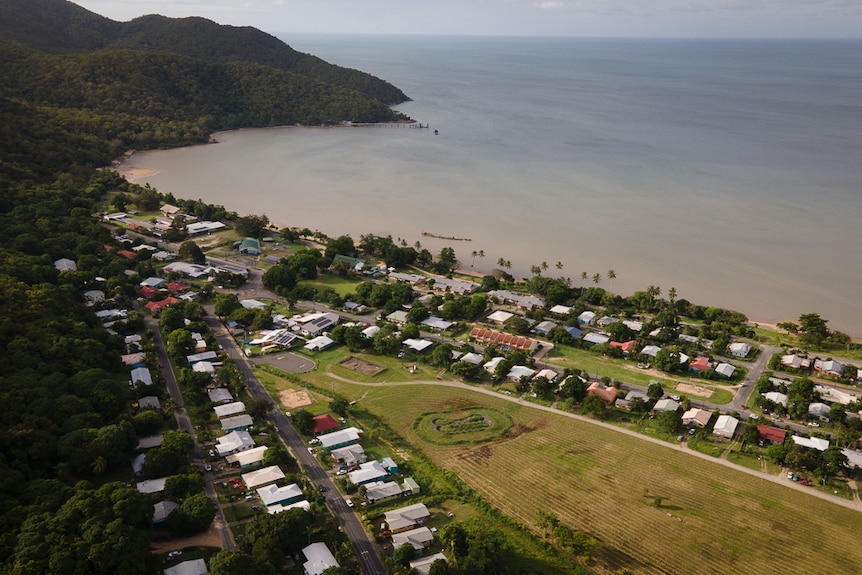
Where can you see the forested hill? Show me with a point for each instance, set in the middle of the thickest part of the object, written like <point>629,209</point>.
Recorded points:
<point>71,98</point>
<point>58,26</point>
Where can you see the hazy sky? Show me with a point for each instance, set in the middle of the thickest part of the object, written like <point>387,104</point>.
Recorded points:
<point>663,18</point>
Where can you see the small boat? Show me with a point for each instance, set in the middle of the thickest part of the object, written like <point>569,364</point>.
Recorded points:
<point>436,132</point>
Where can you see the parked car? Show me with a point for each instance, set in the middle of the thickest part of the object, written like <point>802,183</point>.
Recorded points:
<point>313,441</point>
<point>342,472</point>
<point>212,453</point>
<point>208,467</point>
<point>311,450</point>
<point>349,502</point>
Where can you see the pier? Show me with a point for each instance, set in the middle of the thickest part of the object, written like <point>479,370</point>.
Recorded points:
<point>415,125</point>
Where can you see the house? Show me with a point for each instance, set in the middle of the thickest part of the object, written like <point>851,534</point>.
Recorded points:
<point>134,359</point>
<point>261,477</point>
<point>154,282</point>
<point>150,441</point>
<point>169,210</point>
<point>161,510</point>
<point>340,438</point>
<point>94,296</point>
<point>203,227</point>
<point>519,371</point>
<point>276,508</point>
<point>587,317</point>
<point>505,340</point>
<point>854,458</point>
<point>819,410</point>
<point>699,363</point>
<point>236,423</point>
<point>177,287</point>
<point>607,320</point>
<point>141,374</point>
<point>499,316</point>
<point>369,331</point>
<point>151,485</point>
<point>626,403</point>
<point>626,346</point>
<point>409,486</point>
<point>447,285</point>
<point>150,402</point>
<point>596,338</point>
<point>138,464</point>
<point>473,358</point>
<point>191,567</point>
<point>635,326</point>
<point>608,394</point>
<point>315,324</point>
<point>412,279</point>
<point>725,369</point>
<point>437,323</point>
<point>146,292</point>
<point>228,409</point>
<point>397,316</point>
<point>423,565</point>
<point>771,434</point>
<point>389,465</point>
<point>548,374</point>
<point>272,495</point>
<point>418,345</point>
<point>234,442</point>
<point>524,301</point>
<point>184,268</point>
<point>318,559</point>
<point>368,472</point>
<point>230,269</point>
<point>650,350</point>
<point>378,491</point>
<point>665,405</point>
<point>252,304</point>
<point>739,349</point>
<point>250,247</point>
<point>829,367</point>
<point>776,397</point>
<point>319,343</point>
<point>574,332</point>
<point>323,424</point>
<point>696,417</point>
<point>219,395</point>
<point>354,307</point>
<point>406,518</point>
<point>725,426</point>
<point>811,442</point>
<point>65,265</point>
<point>129,255</point>
<point>545,327</point>
<point>419,538</point>
<point>836,395</point>
<point>158,306</point>
<point>491,366</point>
<point>202,356</point>
<point>561,310</point>
<point>350,455</point>
<point>795,361</point>
<point>107,315</point>
<point>163,256</point>
<point>248,458</point>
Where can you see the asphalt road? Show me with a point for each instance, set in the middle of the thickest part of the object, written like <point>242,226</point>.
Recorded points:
<point>365,550</point>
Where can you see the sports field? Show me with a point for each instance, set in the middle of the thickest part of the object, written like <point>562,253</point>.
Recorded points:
<point>655,509</point>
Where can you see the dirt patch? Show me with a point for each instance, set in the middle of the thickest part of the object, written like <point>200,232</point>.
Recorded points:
<point>292,399</point>
<point>361,366</point>
<point>518,430</point>
<point>694,390</point>
<point>209,538</point>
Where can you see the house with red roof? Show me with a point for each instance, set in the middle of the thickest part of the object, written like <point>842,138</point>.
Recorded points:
<point>625,346</point>
<point>147,291</point>
<point>504,340</point>
<point>608,394</point>
<point>157,306</point>
<point>323,424</point>
<point>177,287</point>
<point>771,434</point>
<point>700,363</point>
<point>129,255</point>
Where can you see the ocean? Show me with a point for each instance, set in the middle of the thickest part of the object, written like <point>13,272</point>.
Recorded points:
<point>728,169</point>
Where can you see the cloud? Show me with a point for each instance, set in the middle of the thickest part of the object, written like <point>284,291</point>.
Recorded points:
<point>549,5</point>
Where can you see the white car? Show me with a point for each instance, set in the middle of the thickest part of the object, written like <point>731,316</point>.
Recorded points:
<point>314,441</point>
<point>349,502</point>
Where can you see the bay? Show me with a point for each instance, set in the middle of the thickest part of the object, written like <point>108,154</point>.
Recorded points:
<point>729,169</point>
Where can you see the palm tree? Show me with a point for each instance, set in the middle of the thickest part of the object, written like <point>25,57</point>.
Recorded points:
<point>544,266</point>
<point>584,276</point>
<point>536,270</point>
<point>501,262</point>
<point>508,264</point>
<point>597,278</point>
<point>671,294</point>
<point>559,265</point>
<point>474,254</point>
<point>481,256</point>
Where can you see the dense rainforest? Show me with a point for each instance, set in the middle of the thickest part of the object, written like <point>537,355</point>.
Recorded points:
<point>77,90</point>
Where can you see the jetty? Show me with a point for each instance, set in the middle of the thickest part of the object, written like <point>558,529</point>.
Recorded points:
<point>452,238</point>
<point>416,125</point>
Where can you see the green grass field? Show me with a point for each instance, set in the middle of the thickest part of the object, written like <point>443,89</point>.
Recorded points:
<point>712,519</point>
<point>341,285</point>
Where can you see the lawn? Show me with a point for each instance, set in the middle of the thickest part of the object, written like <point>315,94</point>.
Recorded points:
<point>714,519</point>
<point>341,285</point>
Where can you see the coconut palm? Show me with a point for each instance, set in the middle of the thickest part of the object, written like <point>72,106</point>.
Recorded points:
<point>671,294</point>
<point>501,262</point>
<point>559,265</point>
<point>474,253</point>
<point>544,266</point>
<point>597,278</point>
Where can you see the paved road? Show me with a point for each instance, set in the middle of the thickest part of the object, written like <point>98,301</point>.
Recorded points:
<point>365,550</point>
<point>224,532</point>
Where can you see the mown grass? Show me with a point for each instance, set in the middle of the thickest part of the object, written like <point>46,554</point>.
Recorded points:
<point>341,285</point>
<point>715,519</point>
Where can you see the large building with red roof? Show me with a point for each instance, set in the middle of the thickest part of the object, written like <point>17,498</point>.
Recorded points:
<point>504,340</point>
<point>157,306</point>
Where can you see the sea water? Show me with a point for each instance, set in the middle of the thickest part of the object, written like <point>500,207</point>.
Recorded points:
<point>728,169</point>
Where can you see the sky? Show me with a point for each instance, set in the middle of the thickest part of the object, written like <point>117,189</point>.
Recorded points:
<point>610,18</point>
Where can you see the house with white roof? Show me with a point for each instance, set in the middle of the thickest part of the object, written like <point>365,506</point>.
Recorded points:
<point>261,477</point>
<point>252,304</point>
<point>419,538</point>
<point>141,374</point>
<point>829,367</point>
<point>398,316</point>
<point>423,564</point>
<point>587,317</point>
<point>406,518</point>
<point>191,567</point>
<point>561,310</point>
<point>500,316</point>
<point>151,485</point>
<point>525,301</point>
<point>228,409</point>
<point>369,331</point>
<point>596,338</point>
<point>811,442</point>
<point>836,395</point>
<point>459,287</point>
<point>665,405</point>
<point>319,343</point>
<point>650,350</point>
<point>819,410</point>
<point>696,417</point>
<point>776,397</point>
<point>234,442</point>
<point>725,369</point>
<point>247,458</point>
<point>378,491</point>
<point>418,345</point>
<point>412,279</point>
<point>276,508</point>
<point>219,395</point>
<point>203,356</point>
<point>473,358</point>
<point>65,265</point>
<point>349,455</point>
<point>491,366</point>
<point>340,438</point>
<point>739,349</point>
<point>236,423</point>
<point>273,495</point>
<point>544,327</point>
<point>434,322</point>
<point>725,426</point>
<point>519,371</point>
<point>318,559</point>
<point>368,472</point>
<point>548,374</point>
